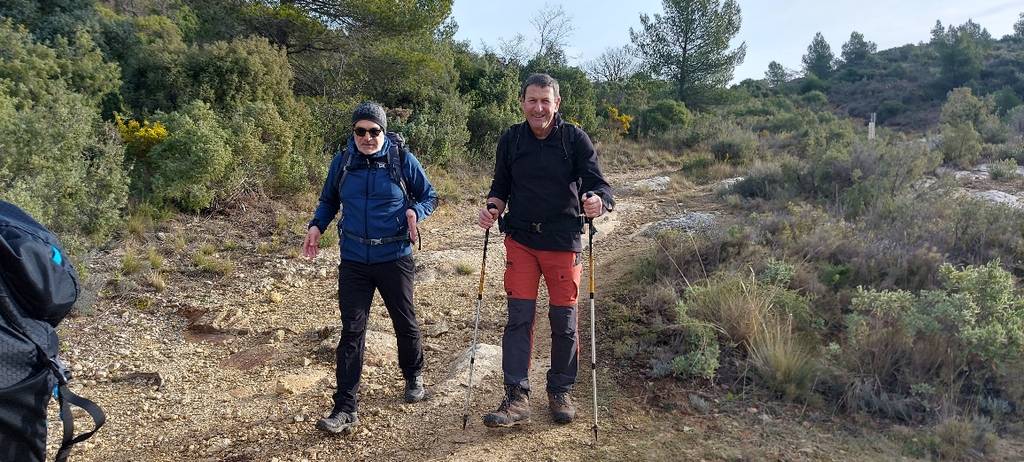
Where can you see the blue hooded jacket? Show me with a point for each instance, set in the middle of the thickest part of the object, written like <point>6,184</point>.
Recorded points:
<point>373,205</point>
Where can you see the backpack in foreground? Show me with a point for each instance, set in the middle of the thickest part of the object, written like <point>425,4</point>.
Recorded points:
<point>38,287</point>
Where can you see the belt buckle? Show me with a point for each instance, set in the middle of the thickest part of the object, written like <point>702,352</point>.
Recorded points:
<point>536,227</point>
<point>376,241</point>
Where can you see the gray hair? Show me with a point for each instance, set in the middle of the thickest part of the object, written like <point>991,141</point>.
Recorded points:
<point>540,80</point>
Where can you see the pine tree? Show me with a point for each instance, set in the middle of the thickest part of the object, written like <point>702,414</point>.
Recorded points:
<point>689,45</point>
<point>819,59</point>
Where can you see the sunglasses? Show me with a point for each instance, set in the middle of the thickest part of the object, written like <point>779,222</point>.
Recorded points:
<point>360,131</point>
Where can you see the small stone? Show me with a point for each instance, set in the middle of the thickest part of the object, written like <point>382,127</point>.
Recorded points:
<point>279,335</point>
<point>306,362</point>
<point>276,297</point>
<point>752,410</point>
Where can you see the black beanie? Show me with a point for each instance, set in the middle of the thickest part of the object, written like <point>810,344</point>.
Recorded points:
<point>371,111</point>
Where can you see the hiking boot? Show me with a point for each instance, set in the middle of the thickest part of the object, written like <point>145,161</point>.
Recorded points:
<point>414,391</point>
<point>513,410</point>
<point>338,422</point>
<point>561,407</point>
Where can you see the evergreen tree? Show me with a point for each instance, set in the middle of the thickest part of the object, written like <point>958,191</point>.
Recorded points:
<point>819,59</point>
<point>857,50</point>
<point>776,75</point>
<point>689,45</point>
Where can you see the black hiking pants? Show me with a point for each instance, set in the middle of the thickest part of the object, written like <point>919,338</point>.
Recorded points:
<point>356,284</point>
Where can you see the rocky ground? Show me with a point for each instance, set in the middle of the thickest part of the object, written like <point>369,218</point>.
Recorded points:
<point>233,359</point>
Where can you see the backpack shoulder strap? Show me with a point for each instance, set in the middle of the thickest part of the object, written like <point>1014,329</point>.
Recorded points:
<point>346,160</point>
<point>396,163</point>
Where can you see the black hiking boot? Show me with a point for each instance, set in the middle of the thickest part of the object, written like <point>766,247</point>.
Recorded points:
<point>414,391</point>
<point>338,422</point>
<point>513,410</point>
<point>561,407</point>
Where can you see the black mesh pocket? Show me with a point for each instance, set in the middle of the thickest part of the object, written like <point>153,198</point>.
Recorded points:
<point>23,418</point>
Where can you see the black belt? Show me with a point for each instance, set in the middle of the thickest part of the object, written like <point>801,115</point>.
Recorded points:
<point>378,241</point>
<point>566,224</point>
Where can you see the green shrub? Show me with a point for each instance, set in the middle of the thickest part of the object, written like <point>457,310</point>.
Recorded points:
<point>967,329</point>
<point>229,75</point>
<point>961,144</point>
<point>1003,170</point>
<point>188,168</point>
<point>437,133</point>
<point>701,356</point>
<point>59,161</point>
<point>735,145</point>
<point>663,116</point>
<point>815,99</point>
<point>889,109</point>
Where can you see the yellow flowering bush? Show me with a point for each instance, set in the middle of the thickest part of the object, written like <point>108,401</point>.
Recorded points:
<point>138,137</point>
<point>619,123</point>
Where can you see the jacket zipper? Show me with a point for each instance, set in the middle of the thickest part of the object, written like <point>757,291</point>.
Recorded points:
<point>370,177</point>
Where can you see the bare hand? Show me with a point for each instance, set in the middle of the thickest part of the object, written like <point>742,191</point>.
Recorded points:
<point>490,213</point>
<point>593,206</point>
<point>410,217</point>
<point>312,243</point>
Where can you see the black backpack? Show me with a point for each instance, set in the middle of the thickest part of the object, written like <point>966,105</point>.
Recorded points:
<point>38,287</point>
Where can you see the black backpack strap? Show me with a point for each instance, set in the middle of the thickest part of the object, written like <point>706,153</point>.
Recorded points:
<point>396,169</point>
<point>346,165</point>
<point>67,398</point>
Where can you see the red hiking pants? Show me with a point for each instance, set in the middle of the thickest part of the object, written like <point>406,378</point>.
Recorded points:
<point>524,267</point>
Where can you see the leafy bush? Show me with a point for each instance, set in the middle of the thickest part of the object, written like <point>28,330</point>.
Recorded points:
<point>663,116</point>
<point>437,134</point>
<point>735,145</point>
<point>961,144</point>
<point>961,332</point>
<point>229,74</point>
<point>1003,170</point>
<point>59,161</point>
<point>189,167</point>
<point>701,352</point>
<point>815,99</point>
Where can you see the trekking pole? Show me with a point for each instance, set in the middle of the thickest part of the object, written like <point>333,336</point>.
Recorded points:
<point>593,341</point>
<point>476,323</point>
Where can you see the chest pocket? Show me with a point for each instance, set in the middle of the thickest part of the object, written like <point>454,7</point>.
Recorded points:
<point>545,161</point>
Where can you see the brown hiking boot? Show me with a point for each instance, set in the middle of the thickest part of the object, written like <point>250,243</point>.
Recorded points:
<point>561,407</point>
<point>513,410</point>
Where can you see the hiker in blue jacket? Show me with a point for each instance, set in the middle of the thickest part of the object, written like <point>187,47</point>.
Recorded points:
<point>383,192</point>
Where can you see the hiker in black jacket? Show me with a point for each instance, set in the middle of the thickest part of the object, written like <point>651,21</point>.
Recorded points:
<point>543,169</point>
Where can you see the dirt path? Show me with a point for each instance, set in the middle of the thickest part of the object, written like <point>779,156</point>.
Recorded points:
<point>251,385</point>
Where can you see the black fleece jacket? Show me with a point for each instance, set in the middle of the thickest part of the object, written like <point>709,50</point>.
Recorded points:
<point>541,181</point>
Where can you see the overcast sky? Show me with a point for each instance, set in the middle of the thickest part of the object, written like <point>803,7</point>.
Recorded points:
<point>772,30</point>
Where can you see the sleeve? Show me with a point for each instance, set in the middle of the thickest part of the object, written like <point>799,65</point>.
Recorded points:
<point>589,170</point>
<point>501,183</point>
<point>330,199</point>
<point>422,191</point>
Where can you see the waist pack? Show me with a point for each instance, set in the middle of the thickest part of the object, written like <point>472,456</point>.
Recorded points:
<point>38,287</point>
